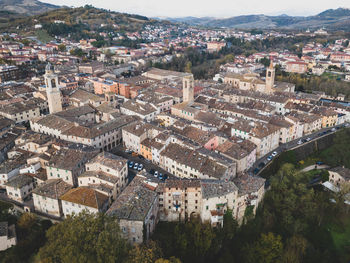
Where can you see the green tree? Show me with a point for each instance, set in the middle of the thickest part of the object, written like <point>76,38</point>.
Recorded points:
<point>295,250</point>
<point>268,249</point>
<point>85,238</point>
<point>145,253</point>
<point>188,67</point>
<point>62,47</point>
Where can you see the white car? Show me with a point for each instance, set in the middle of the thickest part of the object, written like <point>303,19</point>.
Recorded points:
<point>156,174</point>
<point>274,154</point>
<point>300,142</point>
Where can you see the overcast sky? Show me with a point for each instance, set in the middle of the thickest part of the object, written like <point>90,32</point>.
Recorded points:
<point>216,8</point>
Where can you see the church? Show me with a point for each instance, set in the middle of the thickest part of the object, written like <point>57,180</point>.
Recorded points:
<point>252,81</point>
<point>54,97</point>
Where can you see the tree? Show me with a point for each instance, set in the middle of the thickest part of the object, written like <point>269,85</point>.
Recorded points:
<point>77,52</point>
<point>188,67</point>
<point>170,260</point>
<point>30,237</point>
<point>265,61</point>
<point>230,225</point>
<point>295,249</point>
<point>145,253</point>
<point>62,47</point>
<point>85,238</point>
<point>268,249</point>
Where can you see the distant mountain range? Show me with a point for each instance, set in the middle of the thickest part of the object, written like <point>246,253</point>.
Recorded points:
<point>27,7</point>
<point>335,19</point>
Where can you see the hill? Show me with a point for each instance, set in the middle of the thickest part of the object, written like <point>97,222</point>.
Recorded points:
<point>333,19</point>
<point>27,7</point>
<point>76,20</point>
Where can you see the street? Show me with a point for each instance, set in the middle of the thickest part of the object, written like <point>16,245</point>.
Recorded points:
<point>290,146</point>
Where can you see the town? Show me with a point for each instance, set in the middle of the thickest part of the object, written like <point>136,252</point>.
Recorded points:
<point>112,129</point>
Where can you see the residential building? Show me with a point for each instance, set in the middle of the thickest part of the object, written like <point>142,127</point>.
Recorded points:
<point>136,210</point>
<point>82,199</point>
<point>339,175</point>
<point>8,236</point>
<point>46,197</point>
<point>106,173</point>
<point>19,187</point>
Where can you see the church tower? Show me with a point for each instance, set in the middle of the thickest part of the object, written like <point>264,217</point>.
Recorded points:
<point>270,78</point>
<point>52,89</point>
<point>188,88</point>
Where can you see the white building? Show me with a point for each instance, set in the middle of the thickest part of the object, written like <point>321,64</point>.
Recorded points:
<point>7,236</point>
<point>106,173</point>
<point>20,187</point>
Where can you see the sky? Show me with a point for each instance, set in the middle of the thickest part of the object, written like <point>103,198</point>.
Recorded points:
<point>214,8</point>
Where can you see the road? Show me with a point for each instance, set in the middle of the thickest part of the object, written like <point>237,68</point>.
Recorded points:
<point>315,166</point>
<point>290,146</point>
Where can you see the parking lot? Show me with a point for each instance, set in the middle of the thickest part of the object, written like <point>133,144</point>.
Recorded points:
<point>147,165</point>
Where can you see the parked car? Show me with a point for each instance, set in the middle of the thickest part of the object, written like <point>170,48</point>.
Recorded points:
<point>269,158</point>
<point>319,163</point>
<point>156,174</point>
<point>256,170</point>
<point>333,129</point>
<point>151,171</point>
<point>261,165</point>
<point>136,166</point>
<point>300,142</point>
<point>141,157</point>
<point>320,134</point>
<point>308,139</point>
<point>131,164</point>
<point>140,167</point>
<point>165,176</point>
<point>128,151</point>
<point>274,153</point>
<point>160,176</point>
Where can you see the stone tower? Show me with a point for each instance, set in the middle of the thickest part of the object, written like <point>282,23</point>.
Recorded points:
<point>270,78</point>
<point>188,88</point>
<point>52,90</point>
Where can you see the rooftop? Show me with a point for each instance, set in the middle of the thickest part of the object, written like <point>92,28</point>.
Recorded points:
<point>248,184</point>
<point>134,202</point>
<point>20,180</point>
<point>52,188</point>
<point>85,196</point>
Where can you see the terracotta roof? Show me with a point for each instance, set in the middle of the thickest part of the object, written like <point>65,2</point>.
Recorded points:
<point>85,196</point>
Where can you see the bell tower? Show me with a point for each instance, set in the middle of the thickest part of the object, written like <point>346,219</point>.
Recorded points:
<point>270,78</point>
<point>52,89</point>
<point>188,88</point>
